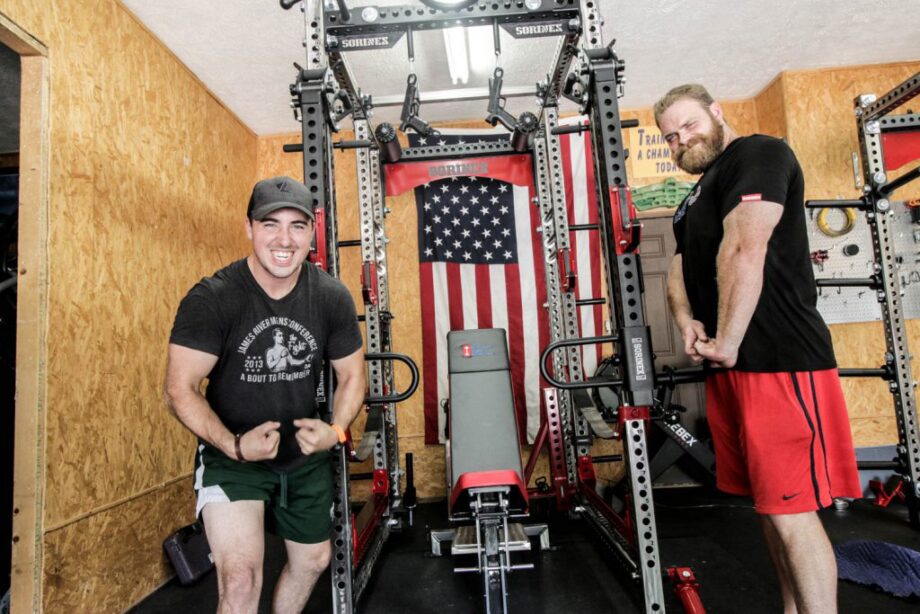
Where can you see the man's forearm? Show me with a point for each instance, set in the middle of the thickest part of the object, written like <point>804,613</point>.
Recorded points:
<point>194,412</point>
<point>348,400</point>
<point>677,294</point>
<point>740,279</point>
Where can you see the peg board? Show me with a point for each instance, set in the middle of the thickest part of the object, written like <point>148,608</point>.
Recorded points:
<point>845,305</point>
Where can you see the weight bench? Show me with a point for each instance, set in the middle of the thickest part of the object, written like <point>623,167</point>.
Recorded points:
<point>484,469</point>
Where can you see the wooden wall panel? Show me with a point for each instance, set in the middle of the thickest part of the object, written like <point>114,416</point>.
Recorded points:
<point>771,108</point>
<point>161,177</point>
<point>149,179</point>
<point>31,320</point>
<point>822,127</point>
<point>94,566</point>
<point>271,160</point>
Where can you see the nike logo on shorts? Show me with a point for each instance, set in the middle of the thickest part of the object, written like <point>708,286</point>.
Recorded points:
<point>787,497</point>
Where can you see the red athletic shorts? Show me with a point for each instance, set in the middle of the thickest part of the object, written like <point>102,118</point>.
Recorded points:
<point>782,438</point>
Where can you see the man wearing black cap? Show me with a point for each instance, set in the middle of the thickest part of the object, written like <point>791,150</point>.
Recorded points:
<point>263,457</point>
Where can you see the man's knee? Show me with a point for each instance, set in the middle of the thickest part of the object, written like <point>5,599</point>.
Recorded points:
<point>321,560</point>
<point>240,581</point>
<point>314,561</point>
<point>790,526</point>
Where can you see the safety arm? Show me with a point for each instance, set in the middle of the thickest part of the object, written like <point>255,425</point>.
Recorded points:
<point>186,369</point>
<point>349,389</point>
<point>740,263</point>
<point>677,294</point>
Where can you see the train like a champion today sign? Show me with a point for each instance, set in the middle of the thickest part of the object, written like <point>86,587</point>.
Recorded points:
<point>649,154</point>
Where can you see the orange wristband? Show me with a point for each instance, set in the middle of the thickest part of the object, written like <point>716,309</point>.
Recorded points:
<point>338,431</point>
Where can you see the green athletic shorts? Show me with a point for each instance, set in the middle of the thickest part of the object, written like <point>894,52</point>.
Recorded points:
<point>298,502</point>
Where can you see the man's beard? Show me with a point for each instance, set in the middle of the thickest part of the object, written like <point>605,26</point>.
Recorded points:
<point>694,160</point>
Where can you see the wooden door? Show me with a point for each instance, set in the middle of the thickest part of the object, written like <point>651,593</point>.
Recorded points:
<point>657,250</point>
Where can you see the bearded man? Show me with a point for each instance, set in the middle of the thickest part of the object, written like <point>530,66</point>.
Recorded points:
<point>742,291</point>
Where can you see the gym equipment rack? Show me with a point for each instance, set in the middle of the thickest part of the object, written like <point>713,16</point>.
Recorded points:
<point>325,92</point>
<point>888,142</point>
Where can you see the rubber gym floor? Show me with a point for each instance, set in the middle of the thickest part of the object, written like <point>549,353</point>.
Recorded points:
<point>718,536</point>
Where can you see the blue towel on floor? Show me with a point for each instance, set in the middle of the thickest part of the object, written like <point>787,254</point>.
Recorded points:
<point>894,569</point>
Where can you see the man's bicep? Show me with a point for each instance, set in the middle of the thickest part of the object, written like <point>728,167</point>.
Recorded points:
<point>350,365</point>
<point>187,367</point>
<point>751,224</point>
<point>761,169</point>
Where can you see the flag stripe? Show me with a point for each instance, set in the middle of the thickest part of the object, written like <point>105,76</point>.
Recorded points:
<point>454,297</point>
<point>484,288</point>
<point>536,320</point>
<point>442,315</point>
<point>537,299</point>
<point>468,290</point>
<point>498,291</point>
<point>429,353</point>
<point>516,341</point>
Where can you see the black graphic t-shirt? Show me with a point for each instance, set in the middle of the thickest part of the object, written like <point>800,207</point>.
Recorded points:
<point>270,352</point>
<point>786,332</point>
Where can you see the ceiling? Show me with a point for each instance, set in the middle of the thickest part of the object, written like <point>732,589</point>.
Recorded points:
<point>244,50</point>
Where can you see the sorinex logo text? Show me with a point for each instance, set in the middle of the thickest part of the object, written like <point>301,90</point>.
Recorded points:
<point>639,355</point>
<point>550,28</point>
<point>449,170</point>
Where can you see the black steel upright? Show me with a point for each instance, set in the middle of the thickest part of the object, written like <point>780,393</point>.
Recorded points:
<point>620,241</point>
<point>873,119</point>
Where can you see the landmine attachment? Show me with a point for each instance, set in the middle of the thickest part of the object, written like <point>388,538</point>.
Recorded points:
<point>487,488</point>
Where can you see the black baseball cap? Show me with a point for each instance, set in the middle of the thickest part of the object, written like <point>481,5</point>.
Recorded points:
<point>278,193</point>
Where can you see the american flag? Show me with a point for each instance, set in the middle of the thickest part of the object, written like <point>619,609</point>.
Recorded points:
<point>481,265</point>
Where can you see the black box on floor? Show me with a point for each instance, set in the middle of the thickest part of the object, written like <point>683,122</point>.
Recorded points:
<point>189,553</point>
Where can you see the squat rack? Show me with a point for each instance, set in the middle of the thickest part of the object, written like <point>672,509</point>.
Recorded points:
<point>888,142</point>
<point>325,92</point>
<point>900,134</point>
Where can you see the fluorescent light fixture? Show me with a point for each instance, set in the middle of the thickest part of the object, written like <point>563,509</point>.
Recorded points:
<point>457,62</point>
<point>482,49</point>
<point>448,5</point>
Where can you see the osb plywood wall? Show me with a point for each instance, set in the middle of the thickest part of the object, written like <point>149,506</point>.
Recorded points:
<point>822,131</point>
<point>771,109</point>
<point>149,179</point>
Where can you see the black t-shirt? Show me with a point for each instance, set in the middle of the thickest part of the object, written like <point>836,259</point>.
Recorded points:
<point>786,332</point>
<point>270,352</point>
